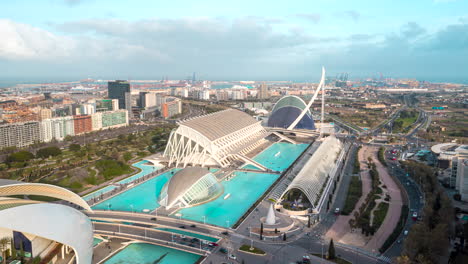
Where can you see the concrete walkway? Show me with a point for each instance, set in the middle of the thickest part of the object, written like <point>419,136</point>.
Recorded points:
<point>341,231</point>
<point>394,210</point>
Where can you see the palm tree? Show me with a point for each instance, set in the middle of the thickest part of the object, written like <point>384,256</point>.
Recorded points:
<point>4,241</point>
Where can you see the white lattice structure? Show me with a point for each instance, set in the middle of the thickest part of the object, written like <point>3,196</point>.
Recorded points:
<point>312,178</point>
<point>216,139</point>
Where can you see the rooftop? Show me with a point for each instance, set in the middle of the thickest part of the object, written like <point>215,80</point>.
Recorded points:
<point>219,124</point>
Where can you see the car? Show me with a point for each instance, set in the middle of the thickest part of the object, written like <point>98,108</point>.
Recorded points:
<point>183,227</point>
<point>405,232</point>
<point>415,216</point>
<point>223,250</point>
<point>393,158</point>
<point>193,226</point>
<point>213,244</point>
<point>232,256</point>
<point>337,211</point>
<point>153,219</point>
<point>182,236</point>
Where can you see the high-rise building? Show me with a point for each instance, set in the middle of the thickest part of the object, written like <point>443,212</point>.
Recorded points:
<point>263,92</point>
<point>88,109</point>
<point>96,121</point>
<point>204,95</point>
<point>120,90</point>
<point>147,99</point>
<point>45,113</point>
<point>106,104</point>
<point>222,95</point>
<point>82,124</point>
<point>19,134</point>
<point>57,128</point>
<point>172,107</point>
<point>460,171</point>
<point>114,119</point>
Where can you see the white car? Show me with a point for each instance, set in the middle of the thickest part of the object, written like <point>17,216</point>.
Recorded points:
<point>232,256</point>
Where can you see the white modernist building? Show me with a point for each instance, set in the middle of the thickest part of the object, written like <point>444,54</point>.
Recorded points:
<point>189,187</point>
<point>43,227</point>
<point>215,139</point>
<point>313,177</point>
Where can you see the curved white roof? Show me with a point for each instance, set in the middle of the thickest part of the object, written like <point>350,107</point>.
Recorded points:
<point>313,175</point>
<point>10,187</point>
<point>221,123</point>
<point>55,222</point>
<point>182,181</point>
<point>439,148</point>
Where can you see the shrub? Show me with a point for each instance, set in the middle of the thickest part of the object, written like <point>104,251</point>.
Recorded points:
<point>20,156</point>
<point>354,193</point>
<point>47,152</point>
<point>74,147</point>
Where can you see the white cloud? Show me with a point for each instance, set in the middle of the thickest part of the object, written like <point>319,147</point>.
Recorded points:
<point>249,47</point>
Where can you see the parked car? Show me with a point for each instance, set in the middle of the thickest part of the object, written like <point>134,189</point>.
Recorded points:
<point>232,256</point>
<point>337,211</point>
<point>213,244</point>
<point>405,232</point>
<point>223,250</point>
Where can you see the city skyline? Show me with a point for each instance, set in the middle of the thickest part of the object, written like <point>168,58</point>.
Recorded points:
<point>65,40</point>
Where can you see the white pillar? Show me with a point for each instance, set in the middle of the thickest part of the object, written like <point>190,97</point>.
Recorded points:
<point>323,110</point>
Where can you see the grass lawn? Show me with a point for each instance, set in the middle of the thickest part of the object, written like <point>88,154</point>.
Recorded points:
<point>255,250</point>
<point>353,195</point>
<point>379,214</point>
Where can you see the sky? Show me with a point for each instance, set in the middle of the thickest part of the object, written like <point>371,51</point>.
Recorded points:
<point>233,40</point>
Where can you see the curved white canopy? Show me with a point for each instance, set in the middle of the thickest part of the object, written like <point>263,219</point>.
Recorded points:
<point>311,179</point>
<point>55,222</point>
<point>10,187</point>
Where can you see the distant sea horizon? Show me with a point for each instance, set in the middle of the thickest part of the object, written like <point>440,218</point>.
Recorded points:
<point>5,83</point>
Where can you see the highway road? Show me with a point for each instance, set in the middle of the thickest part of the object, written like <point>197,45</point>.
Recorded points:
<point>415,199</point>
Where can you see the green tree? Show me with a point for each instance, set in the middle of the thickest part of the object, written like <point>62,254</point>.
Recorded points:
<point>13,249</point>
<point>331,250</point>
<point>48,152</point>
<point>127,156</point>
<point>4,241</point>
<point>20,156</point>
<point>261,231</point>
<point>74,147</point>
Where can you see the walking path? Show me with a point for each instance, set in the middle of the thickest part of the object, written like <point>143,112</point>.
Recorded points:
<point>341,231</point>
<point>394,210</point>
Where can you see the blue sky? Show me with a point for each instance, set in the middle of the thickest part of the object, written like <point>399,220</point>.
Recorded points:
<point>256,39</point>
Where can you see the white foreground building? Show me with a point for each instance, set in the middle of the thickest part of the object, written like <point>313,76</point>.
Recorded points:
<point>215,139</point>
<point>44,227</point>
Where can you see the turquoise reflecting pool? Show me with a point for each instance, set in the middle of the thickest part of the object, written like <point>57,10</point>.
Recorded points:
<point>279,156</point>
<point>145,170</point>
<point>245,188</point>
<point>96,241</point>
<point>143,196</point>
<point>182,232</point>
<point>142,253</point>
